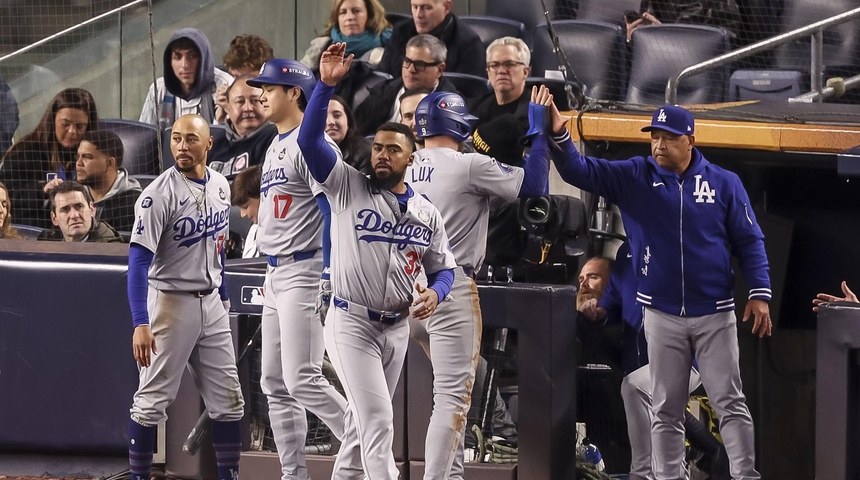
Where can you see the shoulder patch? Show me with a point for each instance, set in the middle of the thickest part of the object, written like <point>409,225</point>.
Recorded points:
<point>505,168</point>
<point>146,203</point>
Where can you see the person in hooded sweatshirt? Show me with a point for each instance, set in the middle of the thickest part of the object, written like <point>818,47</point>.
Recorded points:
<point>190,82</point>
<point>248,134</point>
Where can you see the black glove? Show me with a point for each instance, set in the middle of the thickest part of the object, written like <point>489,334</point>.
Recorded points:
<point>323,299</point>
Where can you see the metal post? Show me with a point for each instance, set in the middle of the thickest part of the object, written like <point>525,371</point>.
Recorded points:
<point>816,63</point>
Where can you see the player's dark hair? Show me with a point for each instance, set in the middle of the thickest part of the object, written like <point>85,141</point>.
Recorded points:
<point>246,185</point>
<point>68,187</point>
<point>106,142</point>
<point>183,43</point>
<point>399,128</point>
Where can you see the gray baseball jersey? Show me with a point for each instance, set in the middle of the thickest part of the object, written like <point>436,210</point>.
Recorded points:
<point>187,242</point>
<point>460,185</point>
<point>289,218</point>
<point>375,256</point>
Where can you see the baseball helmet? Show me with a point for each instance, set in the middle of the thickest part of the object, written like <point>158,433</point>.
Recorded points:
<point>283,71</point>
<point>443,113</point>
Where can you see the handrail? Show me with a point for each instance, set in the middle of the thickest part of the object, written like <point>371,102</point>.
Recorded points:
<point>817,27</point>
<point>70,29</point>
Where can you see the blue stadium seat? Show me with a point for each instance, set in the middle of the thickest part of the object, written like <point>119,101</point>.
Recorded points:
<point>491,28</point>
<point>661,51</point>
<point>363,86</point>
<point>529,12</point>
<point>597,52</point>
<point>611,11</point>
<point>764,85</point>
<point>140,143</point>
<point>556,88</point>
<point>841,43</point>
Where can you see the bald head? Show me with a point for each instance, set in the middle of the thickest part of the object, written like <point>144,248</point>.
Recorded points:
<point>190,142</point>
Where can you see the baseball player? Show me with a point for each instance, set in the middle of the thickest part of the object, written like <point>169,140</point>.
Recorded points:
<point>461,187</point>
<point>291,216</point>
<point>690,217</point>
<point>175,279</point>
<point>383,235</point>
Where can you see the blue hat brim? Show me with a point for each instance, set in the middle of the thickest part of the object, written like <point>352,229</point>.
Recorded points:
<point>666,129</point>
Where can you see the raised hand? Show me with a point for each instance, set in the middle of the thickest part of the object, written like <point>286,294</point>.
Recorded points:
<point>333,66</point>
<point>824,297</point>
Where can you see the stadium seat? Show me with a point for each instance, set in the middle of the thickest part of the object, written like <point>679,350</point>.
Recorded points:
<point>662,51</point>
<point>28,232</point>
<point>597,52</point>
<point>530,13</point>
<point>556,88</point>
<point>395,17</point>
<point>764,85</point>
<point>611,11</point>
<point>218,132</point>
<point>140,142</point>
<point>841,43</point>
<point>491,28</point>
<point>145,180</point>
<point>364,84</point>
<point>469,86</point>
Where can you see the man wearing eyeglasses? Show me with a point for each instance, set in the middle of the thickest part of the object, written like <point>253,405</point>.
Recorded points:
<point>421,68</point>
<point>503,113</point>
<point>434,17</point>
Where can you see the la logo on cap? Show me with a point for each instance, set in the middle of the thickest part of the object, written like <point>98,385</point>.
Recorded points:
<point>662,117</point>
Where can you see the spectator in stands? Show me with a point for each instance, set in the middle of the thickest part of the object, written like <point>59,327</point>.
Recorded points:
<point>823,297</point>
<point>246,196</point>
<point>408,103</point>
<point>503,114</point>
<point>434,17</point>
<point>422,67</point>
<point>9,120</point>
<point>73,213</point>
<point>113,190</point>
<point>190,83</point>
<point>593,279</point>
<point>248,134</point>
<point>340,126</point>
<point>247,53</point>
<point>6,229</point>
<point>48,152</point>
<point>359,23</point>
<point>717,13</point>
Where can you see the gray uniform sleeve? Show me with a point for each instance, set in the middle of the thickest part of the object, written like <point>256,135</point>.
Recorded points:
<point>338,183</point>
<point>491,178</point>
<point>147,113</point>
<point>151,212</point>
<point>438,256</point>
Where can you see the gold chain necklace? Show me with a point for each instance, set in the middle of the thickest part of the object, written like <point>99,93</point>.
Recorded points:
<point>199,200</point>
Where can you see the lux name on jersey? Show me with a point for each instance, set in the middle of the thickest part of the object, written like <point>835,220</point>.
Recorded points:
<point>422,174</point>
<point>402,234</point>
<point>273,178</point>
<point>190,231</point>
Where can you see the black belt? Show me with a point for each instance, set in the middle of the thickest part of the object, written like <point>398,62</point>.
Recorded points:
<point>386,318</point>
<point>200,293</point>
<point>297,257</point>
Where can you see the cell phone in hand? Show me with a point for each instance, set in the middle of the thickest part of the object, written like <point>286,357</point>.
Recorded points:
<point>631,16</point>
<point>51,176</point>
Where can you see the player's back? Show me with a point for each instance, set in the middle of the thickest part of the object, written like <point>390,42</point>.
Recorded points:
<point>460,186</point>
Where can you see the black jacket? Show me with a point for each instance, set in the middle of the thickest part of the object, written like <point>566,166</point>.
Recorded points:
<point>466,53</point>
<point>376,109</point>
<point>236,153</point>
<point>100,232</point>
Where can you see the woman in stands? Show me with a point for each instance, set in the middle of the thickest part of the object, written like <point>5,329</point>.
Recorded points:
<point>359,23</point>
<point>340,126</point>
<point>6,230</point>
<point>46,153</point>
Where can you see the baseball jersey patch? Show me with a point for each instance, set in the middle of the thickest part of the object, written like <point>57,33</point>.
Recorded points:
<point>146,203</point>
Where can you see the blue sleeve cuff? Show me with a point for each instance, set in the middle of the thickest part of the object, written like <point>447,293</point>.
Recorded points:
<point>325,209</point>
<point>441,282</point>
<point>139,260</point>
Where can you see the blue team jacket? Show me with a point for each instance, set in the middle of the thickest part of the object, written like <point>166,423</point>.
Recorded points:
<point>687,225</point>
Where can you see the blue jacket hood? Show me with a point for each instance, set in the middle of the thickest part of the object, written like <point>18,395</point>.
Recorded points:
<point>205,71</point>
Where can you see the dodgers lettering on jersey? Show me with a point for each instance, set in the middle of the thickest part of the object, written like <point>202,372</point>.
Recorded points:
<point>187,242</point>
<point>398,234</point>
<point>289,218</point>
<point>376,258</point>
<point>460,187</point>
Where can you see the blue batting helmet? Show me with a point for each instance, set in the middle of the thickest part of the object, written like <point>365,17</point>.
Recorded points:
<point>283,71</point>
<point>443,113</point>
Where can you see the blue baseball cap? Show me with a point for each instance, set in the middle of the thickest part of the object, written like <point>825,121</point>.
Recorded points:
<point>673,119</point>
<point>286,72</point>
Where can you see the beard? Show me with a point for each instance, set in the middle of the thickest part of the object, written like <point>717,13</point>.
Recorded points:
<point>386,182</point>
<point>582,297</point>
